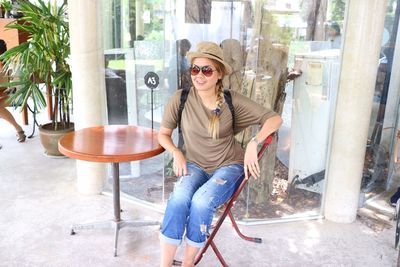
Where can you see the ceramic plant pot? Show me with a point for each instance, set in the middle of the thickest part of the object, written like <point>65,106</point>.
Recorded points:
<point>49,138</point>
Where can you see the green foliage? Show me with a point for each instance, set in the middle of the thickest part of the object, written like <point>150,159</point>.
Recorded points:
<point>155,29</point>
<point>42,59</point>
<point>155,36</point>
<point>6,4</point>
<point>278,34</point>
<point>338,8</point>
<point>391,5</point>
<point>390,16</point>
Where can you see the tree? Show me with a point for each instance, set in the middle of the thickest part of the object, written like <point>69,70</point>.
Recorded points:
<point>338,8</point>
<point>315,15</point>
<point>268,56</point>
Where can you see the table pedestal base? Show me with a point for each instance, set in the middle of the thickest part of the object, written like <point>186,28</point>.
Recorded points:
<point>117,223</point>
<point>113,224</point>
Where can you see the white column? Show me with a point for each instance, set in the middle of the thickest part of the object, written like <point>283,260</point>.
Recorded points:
<point>362,42</point>
<point>87,66</point>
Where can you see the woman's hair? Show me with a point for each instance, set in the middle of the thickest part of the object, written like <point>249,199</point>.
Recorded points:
<point>213,126</point>
<point>335,26</point>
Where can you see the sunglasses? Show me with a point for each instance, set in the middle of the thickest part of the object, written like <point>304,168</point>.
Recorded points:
<point>206,70</point>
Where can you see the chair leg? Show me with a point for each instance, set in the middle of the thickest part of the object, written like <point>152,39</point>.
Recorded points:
<point>219,256</point>
<point>210,242</point>
<point>245,237</point>
<point>202,252</point>
<point>216,251</point>
<point>210,238</point>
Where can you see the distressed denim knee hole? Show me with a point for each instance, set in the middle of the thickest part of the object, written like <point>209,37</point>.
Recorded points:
<point>204,229</point>
<point>219,181</point>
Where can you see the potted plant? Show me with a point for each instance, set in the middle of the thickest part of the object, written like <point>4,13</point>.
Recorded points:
<point>40,63</point>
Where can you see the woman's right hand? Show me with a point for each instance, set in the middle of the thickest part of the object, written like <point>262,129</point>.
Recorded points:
<point>179,163</point>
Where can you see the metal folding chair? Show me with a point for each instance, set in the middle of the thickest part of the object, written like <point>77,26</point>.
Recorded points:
<point>227,212</point>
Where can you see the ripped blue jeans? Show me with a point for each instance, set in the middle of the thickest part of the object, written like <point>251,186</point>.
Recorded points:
<point>193,202</point>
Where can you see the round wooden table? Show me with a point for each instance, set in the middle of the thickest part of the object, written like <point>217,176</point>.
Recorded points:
<point>112,144</point>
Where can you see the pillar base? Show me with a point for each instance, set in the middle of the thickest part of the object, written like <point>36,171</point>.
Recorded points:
<point>91,177</point>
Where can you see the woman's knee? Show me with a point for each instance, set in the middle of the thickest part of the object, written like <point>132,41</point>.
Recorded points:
<point>202,204</point>
<point>179,201</point>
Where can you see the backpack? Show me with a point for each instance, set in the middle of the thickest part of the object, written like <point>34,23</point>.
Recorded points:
<point>184,95</point>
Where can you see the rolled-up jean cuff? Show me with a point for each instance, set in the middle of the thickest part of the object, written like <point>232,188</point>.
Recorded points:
<point>168,240</point>
<point>194,244</point>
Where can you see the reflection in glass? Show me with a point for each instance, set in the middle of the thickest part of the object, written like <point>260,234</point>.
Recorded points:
<point>262,43</point>
<point>133,43</point>
<point>379,167</point>
<point>198,11</point>
<point>268,45</point>
<point>178,67</point>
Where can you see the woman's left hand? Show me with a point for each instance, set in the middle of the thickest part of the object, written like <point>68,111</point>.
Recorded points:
<point>251,161</point>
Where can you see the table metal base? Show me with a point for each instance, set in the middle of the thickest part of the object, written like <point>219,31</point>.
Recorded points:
<point>112,224</point>
<point>117,223</point>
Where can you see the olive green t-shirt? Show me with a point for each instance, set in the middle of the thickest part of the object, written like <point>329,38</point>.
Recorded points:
<point>199,147</point>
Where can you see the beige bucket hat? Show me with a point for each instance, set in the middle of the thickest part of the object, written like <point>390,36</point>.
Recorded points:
<point>209,50</point>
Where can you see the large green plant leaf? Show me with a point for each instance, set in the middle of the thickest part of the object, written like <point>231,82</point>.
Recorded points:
<point>42,59</point>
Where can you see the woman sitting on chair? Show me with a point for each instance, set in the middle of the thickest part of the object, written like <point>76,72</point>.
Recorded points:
<point>211,163</point>
<point>4,113</point>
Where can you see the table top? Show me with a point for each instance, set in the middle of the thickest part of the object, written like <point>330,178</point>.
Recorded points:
<point>111,143</point>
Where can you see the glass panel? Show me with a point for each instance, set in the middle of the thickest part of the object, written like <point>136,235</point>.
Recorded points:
<point>134,46</point>
<point>261,41</point>
<point>268,44</point>
<point>379,164</point>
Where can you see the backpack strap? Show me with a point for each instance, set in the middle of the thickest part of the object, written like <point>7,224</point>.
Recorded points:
<point>228,99</point>
<point>184,95</point>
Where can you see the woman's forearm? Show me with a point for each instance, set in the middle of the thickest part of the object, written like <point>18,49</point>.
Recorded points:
<point>166,142</point>
<point>270,126</point>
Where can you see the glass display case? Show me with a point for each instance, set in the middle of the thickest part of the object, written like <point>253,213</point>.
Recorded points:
<point>262,41</point>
